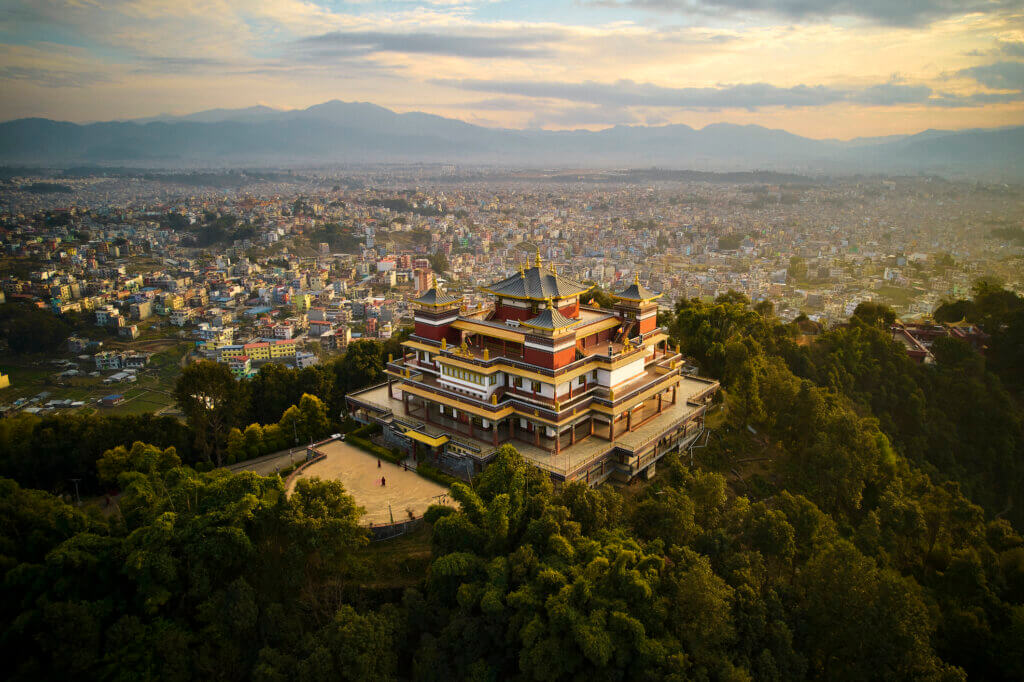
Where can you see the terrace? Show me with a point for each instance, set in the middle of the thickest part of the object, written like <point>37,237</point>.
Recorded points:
<point>580,446</point>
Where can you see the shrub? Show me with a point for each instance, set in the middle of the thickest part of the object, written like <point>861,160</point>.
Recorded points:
<point>366,430</point>
<point>392,456</point>
<point>434,474</point>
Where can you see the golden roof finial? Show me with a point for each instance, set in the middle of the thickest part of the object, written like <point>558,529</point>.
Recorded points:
<point>554,268</point>
<point>636,278</point>
<point>538,257</point>
<point>522,270</point>
<point>433,280</point>
<point>548,299</point>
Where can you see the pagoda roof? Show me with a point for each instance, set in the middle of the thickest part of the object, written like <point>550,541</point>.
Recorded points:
<point>537,284</point>
<point>436,298</point>
<point>550,319</point>
<point>636,292</point>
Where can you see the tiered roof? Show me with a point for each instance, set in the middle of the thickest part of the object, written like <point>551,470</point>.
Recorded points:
<point>549,319</point>
<point>436,298</point>
<point>537,284</point>
<point>636,292</point>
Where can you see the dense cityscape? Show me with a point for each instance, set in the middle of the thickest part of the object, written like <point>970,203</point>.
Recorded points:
<point>308,260</point>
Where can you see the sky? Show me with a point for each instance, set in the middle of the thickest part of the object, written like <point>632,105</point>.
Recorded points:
<point>819,68</point>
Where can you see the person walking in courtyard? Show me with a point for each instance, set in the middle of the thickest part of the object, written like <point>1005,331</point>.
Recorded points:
<point>383,482</point>
<point>378,462</point>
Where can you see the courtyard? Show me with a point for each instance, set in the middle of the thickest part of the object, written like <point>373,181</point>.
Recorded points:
<point>403,492</point>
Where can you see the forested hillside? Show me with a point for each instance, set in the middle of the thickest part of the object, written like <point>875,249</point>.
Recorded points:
<point>851,516</point>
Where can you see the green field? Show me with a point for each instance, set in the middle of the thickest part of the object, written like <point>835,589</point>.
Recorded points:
<point>152,392</point>
<point>897,296</point>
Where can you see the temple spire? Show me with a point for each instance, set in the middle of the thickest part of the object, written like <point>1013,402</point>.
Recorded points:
<point>538,263</point>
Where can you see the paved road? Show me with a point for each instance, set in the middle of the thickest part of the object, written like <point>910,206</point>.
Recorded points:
<point>269,464</point>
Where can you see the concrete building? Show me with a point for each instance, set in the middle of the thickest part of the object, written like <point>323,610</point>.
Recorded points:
<point>584,393</point>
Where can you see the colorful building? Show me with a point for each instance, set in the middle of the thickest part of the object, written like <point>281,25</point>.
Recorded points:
<point>260,351</point>
<point>241,366</point>
<point>583,392</point>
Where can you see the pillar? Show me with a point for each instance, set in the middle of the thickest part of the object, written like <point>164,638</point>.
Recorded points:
<point>629,420</point>
<point>536,435</point>
<point>405,402</point>
<point>572,435</point>
<point>591,426</point>
<point>659,403</point>
<point>494,430</point>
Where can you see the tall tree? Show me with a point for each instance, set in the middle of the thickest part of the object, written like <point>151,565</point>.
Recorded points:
<point>212,402</point>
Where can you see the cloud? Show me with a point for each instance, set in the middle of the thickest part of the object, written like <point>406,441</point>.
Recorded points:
<point>750,96</point>
<point>888,12</point>
<point>173,65</point>
<point>581,116</point>
<point>998,76</point>
<point>1011,48</point>
<point>51,78</point>
<point>478,45</point>
<point>889,94</point>
<point>630,93</point>
<point>501,104</point>
<point>978,99</point>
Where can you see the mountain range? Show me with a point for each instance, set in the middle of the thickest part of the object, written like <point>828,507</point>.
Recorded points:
<point>338,132</point>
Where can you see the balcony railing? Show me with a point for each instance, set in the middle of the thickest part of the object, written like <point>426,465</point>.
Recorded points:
<point>476,356</point>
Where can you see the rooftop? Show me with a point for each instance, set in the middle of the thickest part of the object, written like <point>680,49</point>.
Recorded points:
<point>636,292</point>
<point>434,297</point>
<point>551,320</point>
<point>537,284</point>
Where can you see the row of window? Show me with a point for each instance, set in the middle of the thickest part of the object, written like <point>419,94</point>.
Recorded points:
<point>472,377</point>
<point>492,379</point>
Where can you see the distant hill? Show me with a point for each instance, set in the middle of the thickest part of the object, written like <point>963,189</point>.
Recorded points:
<point>360,132</point>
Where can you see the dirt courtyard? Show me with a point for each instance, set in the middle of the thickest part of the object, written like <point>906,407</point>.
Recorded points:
<point>358,471</point>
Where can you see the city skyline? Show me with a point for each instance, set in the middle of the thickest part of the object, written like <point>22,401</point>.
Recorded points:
<point>837,71</point>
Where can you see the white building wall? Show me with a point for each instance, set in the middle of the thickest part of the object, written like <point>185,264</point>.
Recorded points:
<point>625,373</point>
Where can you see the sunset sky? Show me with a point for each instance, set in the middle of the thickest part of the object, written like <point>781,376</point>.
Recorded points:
<point>820,68</point>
